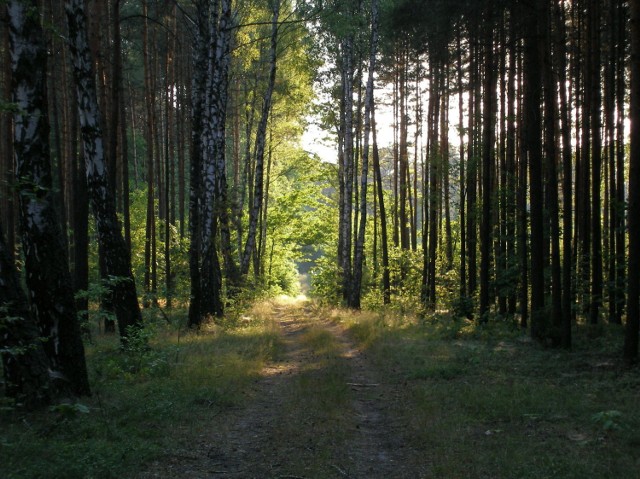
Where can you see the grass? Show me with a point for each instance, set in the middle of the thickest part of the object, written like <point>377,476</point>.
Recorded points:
<point>316,404</point>
<point>487,402</point>
<point>144,401</point>
<point>478,402</point>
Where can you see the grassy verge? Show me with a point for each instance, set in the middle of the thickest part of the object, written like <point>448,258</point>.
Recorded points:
<point>145,401</point>
<point>486,402</point>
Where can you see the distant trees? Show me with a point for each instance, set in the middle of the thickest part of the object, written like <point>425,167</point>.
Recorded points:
<point>536,206</point>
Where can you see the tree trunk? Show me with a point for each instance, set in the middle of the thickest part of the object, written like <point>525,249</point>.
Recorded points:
<point>488,140</point>
<point>633,262</point>
<point>532,138</point>
<point>198,91</point>
<point>261,132</point>
<point>463,193</point>
<point>24,362</point>
<point>384,238</point>
<point>593,18</point>
<point>567,182</point>
<point>354,301</point>
<point>48,279</point>
<point>117,257</point>
<point>550,147</point>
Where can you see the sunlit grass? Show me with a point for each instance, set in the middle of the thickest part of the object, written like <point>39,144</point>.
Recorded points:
<point>487,402</point>
<point>145,401</point>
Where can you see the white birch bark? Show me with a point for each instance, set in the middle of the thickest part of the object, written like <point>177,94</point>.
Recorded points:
<point>47,271</point>
<point>117,256</point>
<point>354,300</point>
<point>261,133</point>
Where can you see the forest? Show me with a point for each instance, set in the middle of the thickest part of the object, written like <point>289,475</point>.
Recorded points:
<point>412,202</point>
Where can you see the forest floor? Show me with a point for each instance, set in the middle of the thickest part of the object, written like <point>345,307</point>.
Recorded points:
<point>290,389</point>
<point>320,410</point>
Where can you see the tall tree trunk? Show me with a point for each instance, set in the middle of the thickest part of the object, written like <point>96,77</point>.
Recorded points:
<point>404,184</point>
<point>24,362</point>
<point>261,133</point>
<point>472,170</point>
<point>198,91</point>
<point>211,274</point>
<point>511,172</point>
<point>386,277</point>
<point>347,167</point>
<point>48,279</point>
<point>567,180</point>
<point>463,193</point>
<point>633,262</point>
<point>620,160</point>
<point>150,287</point>
<point>596,153</point>
<point>550,147</point>
<point>354,301</point>
<point>117,257</point>
<point>7,178</point>
<point>223,58</point>
<point>532,138</point>
<point>488,140</point>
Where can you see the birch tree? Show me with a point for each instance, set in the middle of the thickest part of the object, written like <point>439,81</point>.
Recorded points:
<point>261,134</point>
<point>24,362</point>
<point>354,299</point>
<point>117,260</point>
<point>47,274</point>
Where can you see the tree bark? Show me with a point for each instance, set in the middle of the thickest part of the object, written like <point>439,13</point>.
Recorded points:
<point>488,140</point>
<point>48,279</point>
<point>117,257</point>
<point>633,261</point>
<point>354,301</point>
<point>261,132</point>
<point>532,142</point>
<point>24,362</point>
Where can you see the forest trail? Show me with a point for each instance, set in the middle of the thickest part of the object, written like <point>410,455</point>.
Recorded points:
<point>318,411</point>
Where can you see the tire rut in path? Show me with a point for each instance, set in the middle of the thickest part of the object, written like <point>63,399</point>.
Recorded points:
<point>251,441</point>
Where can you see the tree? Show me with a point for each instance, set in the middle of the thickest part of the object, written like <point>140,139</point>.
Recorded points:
<point>356,288</point>
<point>24,362</point>
<point>48,280</point>
<point>117,259</point>
<point>533,51</point>
<point>261,133</point>
<point>633,260</point>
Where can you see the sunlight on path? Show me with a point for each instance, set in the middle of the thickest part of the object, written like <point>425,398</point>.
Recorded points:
<point>317,411</point>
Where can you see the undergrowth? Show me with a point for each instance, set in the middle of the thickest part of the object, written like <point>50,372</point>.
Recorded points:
<point>148,399</point>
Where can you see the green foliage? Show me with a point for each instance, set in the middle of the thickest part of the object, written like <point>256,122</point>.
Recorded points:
<point>325,281</point>
<point>609,420</point>
<point>69,410</point>
<point>8,107</point>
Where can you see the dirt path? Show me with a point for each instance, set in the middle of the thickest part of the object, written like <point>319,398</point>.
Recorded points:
<point>286,432</point>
